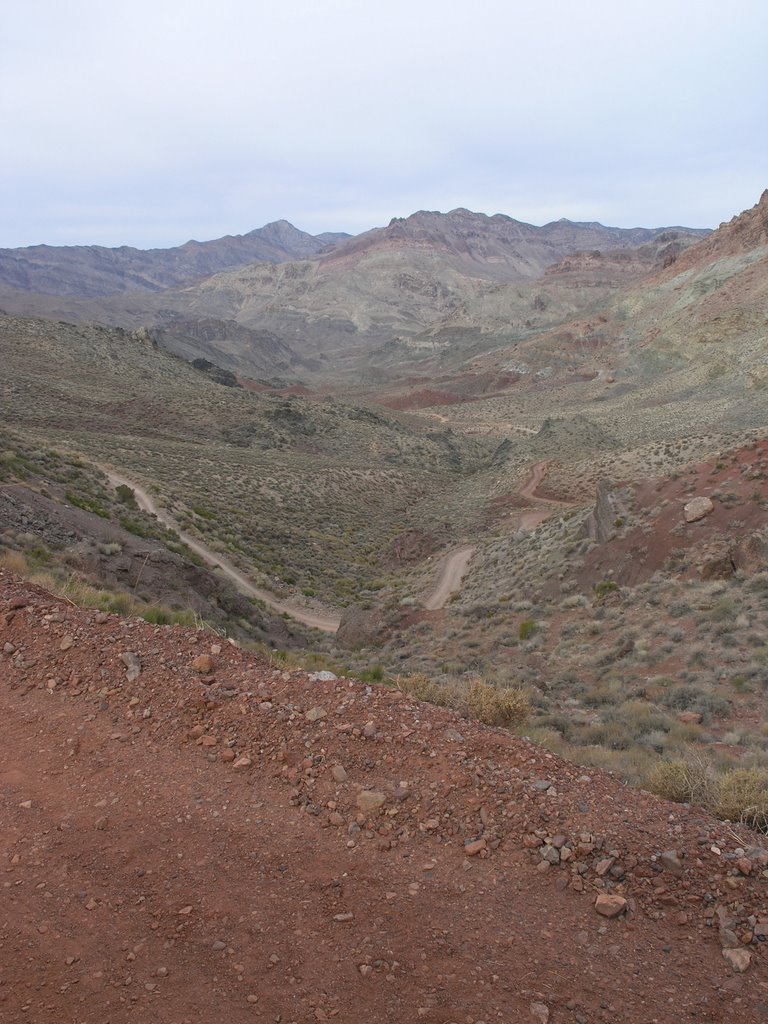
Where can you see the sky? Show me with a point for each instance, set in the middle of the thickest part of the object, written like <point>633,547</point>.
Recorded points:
<point>150,123</point>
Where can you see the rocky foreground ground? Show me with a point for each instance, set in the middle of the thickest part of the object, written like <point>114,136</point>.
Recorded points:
<point>190,834</point>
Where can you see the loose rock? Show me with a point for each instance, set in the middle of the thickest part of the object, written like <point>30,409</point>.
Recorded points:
<point>610,905</point>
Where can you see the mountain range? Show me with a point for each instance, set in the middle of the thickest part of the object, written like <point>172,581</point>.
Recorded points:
<point>94,270</point>
<point>275,299</point>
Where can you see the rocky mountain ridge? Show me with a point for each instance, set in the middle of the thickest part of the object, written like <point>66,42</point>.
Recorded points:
<point>94,270</point>
<point>462,269</point>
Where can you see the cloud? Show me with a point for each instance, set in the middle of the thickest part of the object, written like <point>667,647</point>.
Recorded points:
<point>149,123</point>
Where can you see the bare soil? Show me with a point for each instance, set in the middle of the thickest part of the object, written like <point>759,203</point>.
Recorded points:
<point>217,839</point>
<point>452,571</point>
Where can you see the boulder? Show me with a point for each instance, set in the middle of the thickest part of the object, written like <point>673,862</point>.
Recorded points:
<point>697,508</point>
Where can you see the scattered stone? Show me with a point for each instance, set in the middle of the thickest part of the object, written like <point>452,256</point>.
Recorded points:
<point>228,755</point>
<point>339,773</point>
<point>550,854</point>
<point>204,664</point>
<point>697,509</point>
<point>670,860</point>
<point>477,846</point>
<point>371,800</point>
<point>66,642</point>
<point>315,714</point>
<point>610,905</point>
<point>540,1012</point>
<point>242,762</point>
<point>322,677</point>
<point>738,959</point>
<point>542,785</point>
<point>729,939</point>
<point>132,665</point>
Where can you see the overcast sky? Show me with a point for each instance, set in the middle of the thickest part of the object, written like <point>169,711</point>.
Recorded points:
<point>154,121</point>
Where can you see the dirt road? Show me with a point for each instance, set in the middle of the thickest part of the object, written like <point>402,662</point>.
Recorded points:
<point>453,570</point>
<point>317,620</point>
<point>530,519</point>
<point>455,565</point>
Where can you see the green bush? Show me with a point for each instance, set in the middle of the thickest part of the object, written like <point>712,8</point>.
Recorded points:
<point>126,495</point>
<point>604,588</point>
<point>87,503</point>
<point>526,629</point>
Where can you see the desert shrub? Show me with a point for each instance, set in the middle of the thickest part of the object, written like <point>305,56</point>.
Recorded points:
<point>691,698</point>
<point>742,795</point>
<point>158,615</point>
<point>724,610</point>
<point>688,779</point>
<point>497,705</point>
<point>526,629</point>
<point>203,512</point>
<point>604,588</point>
<point>614,735</point>
<point>474,696</point>
<point>422,687</point>
<point>126,495</point>
<point>676,609</point>
<point>111,548</point>
<point>375,674</point>
<point>14,561</point>
<point>87,503</point>
<point>134,526</point>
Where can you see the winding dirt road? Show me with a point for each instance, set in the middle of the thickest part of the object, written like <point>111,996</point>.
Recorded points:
<point>453,571</point>
<point>530,520</point>
<point>454,566</point>
<point>317,620</point>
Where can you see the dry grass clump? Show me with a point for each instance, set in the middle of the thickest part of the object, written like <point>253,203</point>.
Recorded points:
<point>78,592</point>
<point>503,705</point>
<point>14,561</point>
<point>422,687</point>
<point>738,794</point>
<point>688,779</point>
<point>742,795</point>
<point>474,697</point>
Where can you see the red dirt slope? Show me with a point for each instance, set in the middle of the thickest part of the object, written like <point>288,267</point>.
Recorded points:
<point>212,839</point>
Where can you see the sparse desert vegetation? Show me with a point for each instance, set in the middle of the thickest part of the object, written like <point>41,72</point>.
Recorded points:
<point>594,616</point>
